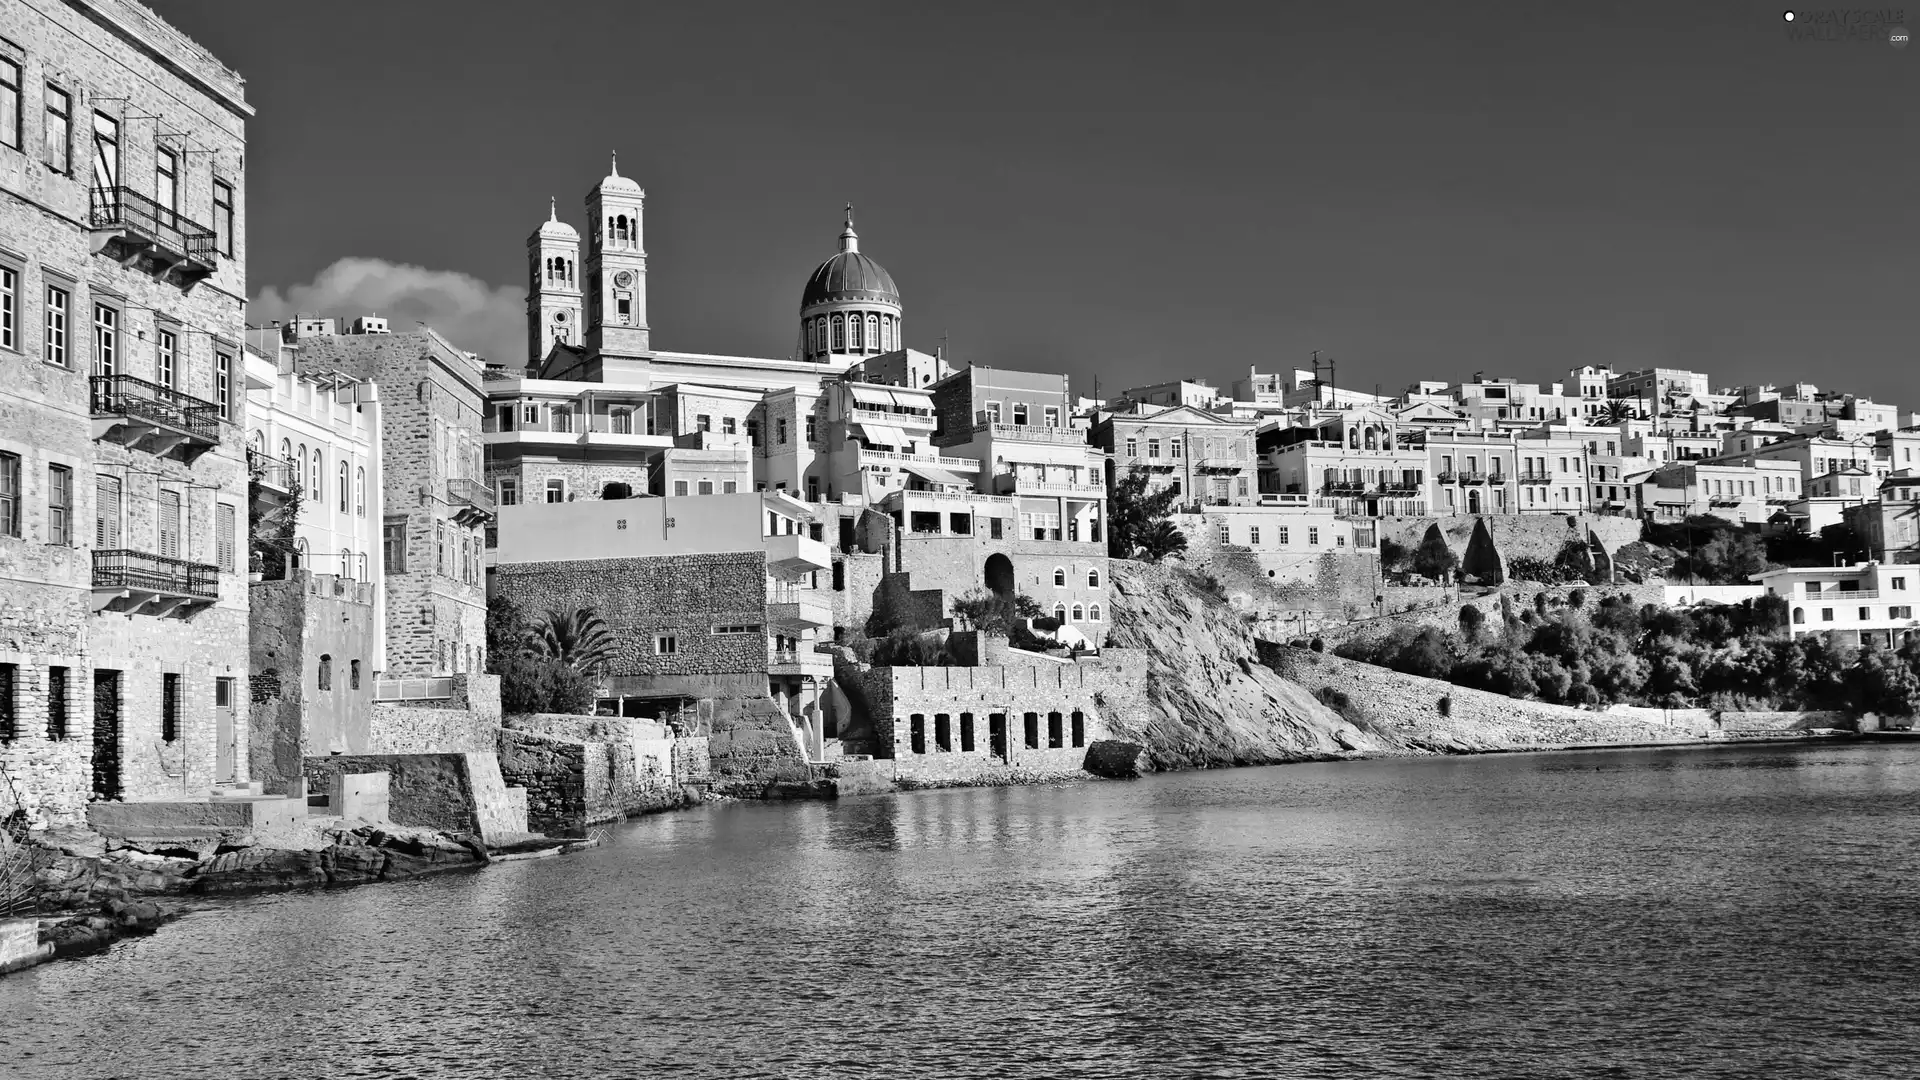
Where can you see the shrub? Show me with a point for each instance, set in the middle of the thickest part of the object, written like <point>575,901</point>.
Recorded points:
<point>1317,645</point>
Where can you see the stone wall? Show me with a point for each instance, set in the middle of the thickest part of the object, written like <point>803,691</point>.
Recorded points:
<point>583,479</point>
<point>642,599</point>
<point>581,771</point>
<point>1514,536</point>
<point>1409,709</point>
<point>859,576</point>
<point>42,628</point>
<point>455,792</point>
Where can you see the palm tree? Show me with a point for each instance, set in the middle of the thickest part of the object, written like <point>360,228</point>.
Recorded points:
<point>1161,539</point>
<point>579,639</point>
<point>1618,410</point>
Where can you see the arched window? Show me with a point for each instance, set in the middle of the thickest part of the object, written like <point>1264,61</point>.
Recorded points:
<point>286,455</point>
<point>1093,579</point>
<point>1353,438</point>
<point>839,333</point>
<point>1079,613</point>
<point>1059,577</point>
<point>1799,615</point>
<point>873,332</point>
<point>1093,613</point>
<point>886,330</point>
<point>353,674</point>
<point>856,339</point>
<point>257,443</point>
<point>344,489</point>
<point>360,491</point>
<point>326,672</point>
<point>346,563</point>
<point>1060,612</point>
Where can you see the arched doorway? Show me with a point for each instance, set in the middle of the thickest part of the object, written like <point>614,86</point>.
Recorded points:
<point>999,575</point>
<point>1473,500</point>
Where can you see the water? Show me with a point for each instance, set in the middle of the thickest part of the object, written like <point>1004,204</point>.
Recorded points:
<point>1729,912</point>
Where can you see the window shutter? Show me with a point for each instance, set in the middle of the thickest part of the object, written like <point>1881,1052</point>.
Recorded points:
<point>106,514</point>
<point>170,524</point>
<point>223,538</point>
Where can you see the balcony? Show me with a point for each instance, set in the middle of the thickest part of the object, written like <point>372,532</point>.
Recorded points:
<point>1868,594</point>
<point>133,229</point>
<point>799,614</point>
<point>1473,478</point>
<point>889,457</point>
<point>139,583</point>
<point>473,499</point>
<point>796,554</point>
<point>1399,487</point>
<point>157,419</point>
<point>1034,434</point>
<point>1347,487</point>
<point>799,662</point>
<point>1220,464</point>
<point>891,419</point>
<point>1446,476</point>
<point>273,478</point>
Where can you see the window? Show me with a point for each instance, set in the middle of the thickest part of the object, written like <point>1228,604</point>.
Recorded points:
<point>57,702</point>
<point>813,431</point>
<point>560,418</point>
<point>1253,535</point>
<point>169,706</point>
<point>706,487</point>
<point>873,333</point>
<point>106,512</point>
<point>1079,728</point>
<point>1054,734</point>
<point>1226,533</point>
<point>1031,722</point>
<point>732,487</point>
<point>665,645</point>
<point>325,681</point>
<point>223,217</point>
<point>1060,612</point>
<point>1093,613</point>
<point>9,308</point>
<point>59,131</point>
<point>166,181</point>
<point>360,491</point>
<point>753,431</point>
<point>314,466</point>
<point>1093,579</point>
<point>1020,413</point>
<point>440,562</point>
<point>856,336</point>
<point>1052,414</point>
<point>10,495</point>
<point>994,528</point>
<point>223,384</point>
<point>622,421</point>
<point>509,492</point>
<point>781,430</point>
<point>353,674</point>
<point>679,488</point>
<point>734,629</point>
<point>10,104</point>
<point>556,490</point>
<point>1898,583</point>
<point>1900,612</point>
<point>58,303</point>
<point>839,336</point>
<point>106,151</point>
<point>166,348</point>
<point>993,412</point>
<point>393,546</point>
<point>1059,578</point>
<point>1313,535</point>
<point>1175,448</point>
<point>344,487</point>
<point>168,527</point>
<point>1079,613</point>
<point>59,505</point>
<point>223,537</point>
<point>1826,614</point>
<point>1153,448</point>
<point>1133,448</point>
<point>529,414</point>
<point>1866,614</point>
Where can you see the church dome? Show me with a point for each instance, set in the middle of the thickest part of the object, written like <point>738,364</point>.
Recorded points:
<point>849,276</point>
<point>617,184</point>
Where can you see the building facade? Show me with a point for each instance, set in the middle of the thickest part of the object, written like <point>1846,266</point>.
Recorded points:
<point>1858,602</point>
<point>123,475</point>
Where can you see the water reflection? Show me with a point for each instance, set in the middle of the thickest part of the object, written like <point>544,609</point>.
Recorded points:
<point>1622,913</point>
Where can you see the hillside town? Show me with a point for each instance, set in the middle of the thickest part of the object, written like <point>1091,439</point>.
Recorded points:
<point>243,565</point>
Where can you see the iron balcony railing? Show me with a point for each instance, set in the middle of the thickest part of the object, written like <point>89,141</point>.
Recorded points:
<point>125,395</point>
<point>471,493</point>
<point>162,226</point>
<point>272,471</point>
<point>127,569</point>
<point>1446,476</point>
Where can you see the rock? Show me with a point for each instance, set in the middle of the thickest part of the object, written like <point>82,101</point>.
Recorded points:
<point>260,868</point>
<point>1117,759</point>
<point>354,864</point>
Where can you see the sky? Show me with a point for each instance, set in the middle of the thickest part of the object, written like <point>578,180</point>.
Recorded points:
<point>1129,193</point>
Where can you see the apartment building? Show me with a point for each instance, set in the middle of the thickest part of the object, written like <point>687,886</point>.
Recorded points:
<point>1495,474</point>
<point>1858,602</point>
<point>1206,458</point>
<point>1890,525</point>
<point>1019,427</point>
<point>1352,462</point>
<point>435,499</point>
<point>123,473</point>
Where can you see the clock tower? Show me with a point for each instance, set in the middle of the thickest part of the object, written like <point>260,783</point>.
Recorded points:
<point>553,287</point>
<point>616,283</point>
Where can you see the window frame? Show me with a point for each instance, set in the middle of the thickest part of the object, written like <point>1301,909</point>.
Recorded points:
<point>393,546</point>
<point>223,217</point>
<point>10,116</point>
<point>11,495</point>
<point>9,307</point>
<point>166,357</point>
<point>166,167</point>
<point>60,504</point>
<point>64,114</point>
<point>57,328</point>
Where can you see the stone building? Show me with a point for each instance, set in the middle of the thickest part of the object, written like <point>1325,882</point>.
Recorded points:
<point>435,501</point>
<point>1889,526</point>
<point>123,479</point>
<point>1356,461</point>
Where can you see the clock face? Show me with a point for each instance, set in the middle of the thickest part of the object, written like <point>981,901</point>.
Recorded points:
<point>624,279</point>
<point>559,316</point>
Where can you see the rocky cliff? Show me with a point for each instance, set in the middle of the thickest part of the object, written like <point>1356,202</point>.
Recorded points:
<point>1210,700</point>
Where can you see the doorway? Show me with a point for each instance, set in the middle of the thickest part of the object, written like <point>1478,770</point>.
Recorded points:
<point>997,735</point>
<point>999,575</point>
<point>223,735</point>
<point>106,734</point>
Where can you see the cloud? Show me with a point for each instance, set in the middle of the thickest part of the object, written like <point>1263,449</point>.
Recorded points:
<point>487,319</point>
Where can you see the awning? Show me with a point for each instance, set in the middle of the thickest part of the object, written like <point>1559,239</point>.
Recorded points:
<point>935,476</point>
<point>870,395</point>
<point>885,435</point>
<point>910,399</point>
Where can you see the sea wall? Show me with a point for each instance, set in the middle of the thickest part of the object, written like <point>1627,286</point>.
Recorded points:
<point>581,771</point>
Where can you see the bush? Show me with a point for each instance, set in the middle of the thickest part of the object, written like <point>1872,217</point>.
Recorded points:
<point>1317,645</point>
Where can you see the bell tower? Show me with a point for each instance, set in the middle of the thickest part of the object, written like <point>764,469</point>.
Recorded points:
<point>553,286</point>
<point>616,280</point>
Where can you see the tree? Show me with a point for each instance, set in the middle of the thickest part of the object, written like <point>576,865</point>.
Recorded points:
<point>578,638</point>
<point>1162,539</point>
<point>530,680</point>
<point>1395,557</point>
<point>270,525</point>
<point>1618,410</point>
<point>1133,512</point>
<point>992,612</point>
<point>1433,558</point>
